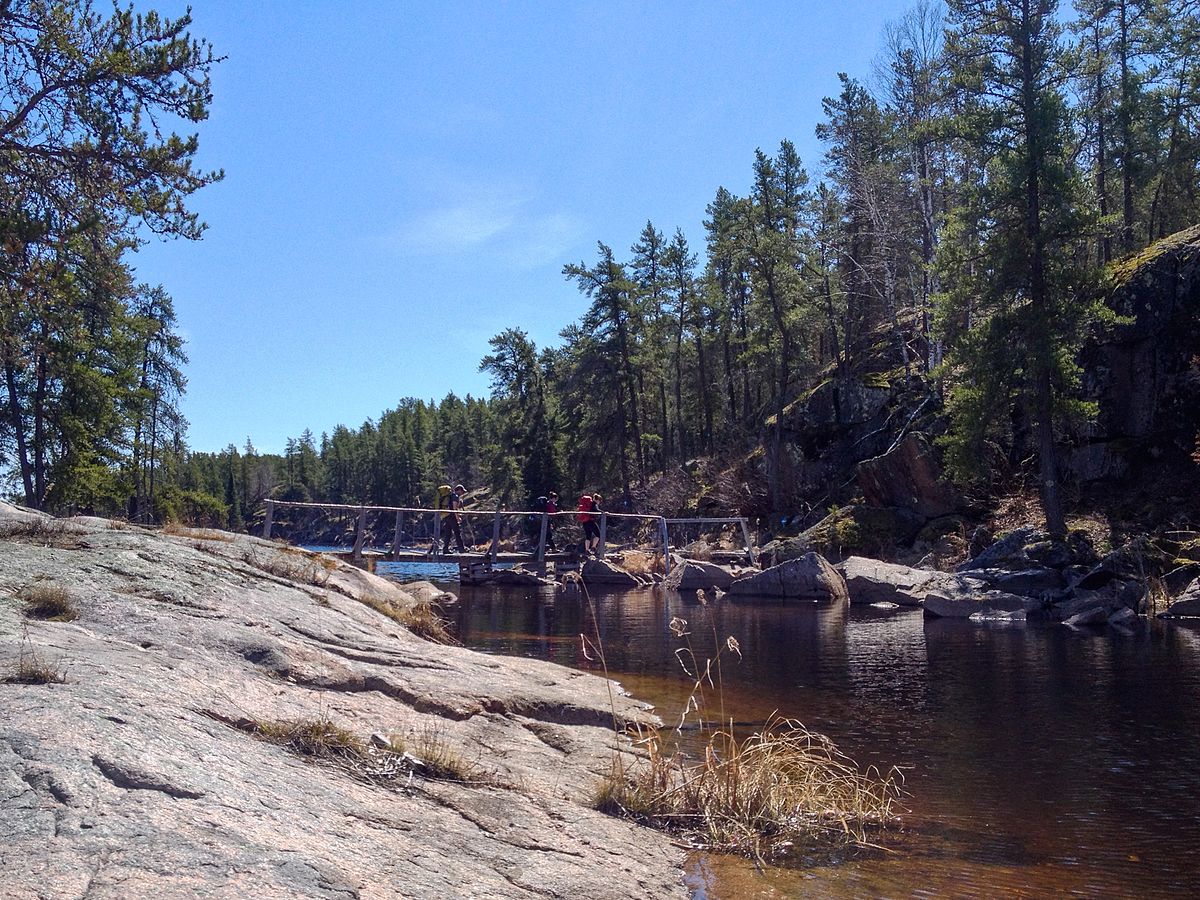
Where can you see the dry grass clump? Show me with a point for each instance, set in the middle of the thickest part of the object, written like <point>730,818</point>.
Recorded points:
<point>50,603</point>
<point>427,753</point>
<point>637,562</point>
<point>422,619</point>
<point>782,788</point>
<point>200,534</point>
<point>435,757</point>
<point>47,532</point>
<point>292,564</point>
<point>317,738</point>
<point>32,669</point>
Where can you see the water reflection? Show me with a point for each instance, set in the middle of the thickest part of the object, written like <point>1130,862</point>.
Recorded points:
<point>1038,759</point>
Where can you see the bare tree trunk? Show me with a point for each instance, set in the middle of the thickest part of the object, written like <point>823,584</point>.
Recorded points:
<point>18,426</point>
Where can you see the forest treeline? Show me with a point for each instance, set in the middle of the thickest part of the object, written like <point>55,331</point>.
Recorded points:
<point>956,233</point>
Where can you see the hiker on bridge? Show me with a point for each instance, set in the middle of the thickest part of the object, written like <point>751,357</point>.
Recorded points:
<point>450,500</point>
<point>589,509</point>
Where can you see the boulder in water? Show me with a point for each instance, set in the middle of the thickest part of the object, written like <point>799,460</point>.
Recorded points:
<point>693,574</point>
<point>810,577</point>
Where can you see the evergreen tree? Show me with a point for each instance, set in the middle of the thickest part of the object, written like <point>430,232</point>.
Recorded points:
<point>1032,292</point>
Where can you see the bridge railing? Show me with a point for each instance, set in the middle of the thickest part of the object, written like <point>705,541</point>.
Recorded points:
<point>539,519</point>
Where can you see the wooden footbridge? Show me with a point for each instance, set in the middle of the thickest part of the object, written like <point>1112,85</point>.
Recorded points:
<point>476,564</point>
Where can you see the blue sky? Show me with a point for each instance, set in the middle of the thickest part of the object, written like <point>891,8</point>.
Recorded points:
<point>405,181</point>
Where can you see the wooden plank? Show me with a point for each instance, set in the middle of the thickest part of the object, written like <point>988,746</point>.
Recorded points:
<point>399,532</point>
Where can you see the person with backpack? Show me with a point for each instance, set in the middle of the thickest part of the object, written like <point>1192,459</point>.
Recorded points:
<point>447,499</point>
<point>450,523</point>
<point>588,507</point>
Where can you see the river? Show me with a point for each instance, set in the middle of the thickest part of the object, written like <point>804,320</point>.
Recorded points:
<point>1037,760</point>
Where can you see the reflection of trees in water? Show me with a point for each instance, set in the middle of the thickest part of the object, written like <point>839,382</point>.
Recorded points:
<point>1022,742</point>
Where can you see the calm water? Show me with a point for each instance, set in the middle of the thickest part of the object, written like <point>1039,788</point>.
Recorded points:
<point>1038,760</point>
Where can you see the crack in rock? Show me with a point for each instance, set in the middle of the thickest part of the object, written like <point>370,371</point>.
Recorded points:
<point>125,776</point>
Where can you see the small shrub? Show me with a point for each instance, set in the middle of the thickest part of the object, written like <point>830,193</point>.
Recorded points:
<point>51,603</point>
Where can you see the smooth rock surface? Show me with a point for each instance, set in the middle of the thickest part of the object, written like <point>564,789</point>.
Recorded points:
<point>131,779</point>
<point>810,577</point>
<point>693,574</point>
<point>872,581</point>
<point>967,605</point>
<point>601,571</point>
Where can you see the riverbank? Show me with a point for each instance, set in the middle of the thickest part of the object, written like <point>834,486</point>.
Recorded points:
<point>145,769</point>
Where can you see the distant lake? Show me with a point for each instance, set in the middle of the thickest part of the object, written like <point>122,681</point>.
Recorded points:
<point>1039,760</point>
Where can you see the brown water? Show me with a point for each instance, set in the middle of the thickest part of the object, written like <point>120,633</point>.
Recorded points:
<point>1038,760</point>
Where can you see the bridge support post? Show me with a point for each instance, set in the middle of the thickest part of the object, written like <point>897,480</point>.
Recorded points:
<point>749,545</point>
<point>360,532</point>
<point>268,519</point>
<point>437,535</point>
<point>399,533</point>
<point>662,527</point>
<point>495,537</point>
<point>603,534</point>
<point>541,551</point>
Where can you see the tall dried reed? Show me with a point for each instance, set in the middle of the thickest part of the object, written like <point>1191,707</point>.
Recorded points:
<point>780,789</point>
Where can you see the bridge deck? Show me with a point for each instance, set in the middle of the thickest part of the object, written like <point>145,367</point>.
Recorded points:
<point>419,556</point>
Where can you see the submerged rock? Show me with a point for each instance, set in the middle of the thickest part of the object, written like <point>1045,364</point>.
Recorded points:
<point>519,577</point>
<point>1016,616</point>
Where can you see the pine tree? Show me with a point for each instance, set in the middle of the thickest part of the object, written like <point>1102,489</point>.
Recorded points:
<point>1032,293</point>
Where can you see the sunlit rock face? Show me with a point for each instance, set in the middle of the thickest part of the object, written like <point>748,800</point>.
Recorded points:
<point>141,775</point>
<point>810,577</point>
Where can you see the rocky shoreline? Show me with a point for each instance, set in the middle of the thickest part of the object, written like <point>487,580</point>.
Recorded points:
<point>141,767</point>
<point>130,778</point>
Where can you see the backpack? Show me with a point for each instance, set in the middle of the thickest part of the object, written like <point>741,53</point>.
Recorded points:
<point>442,501</point>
